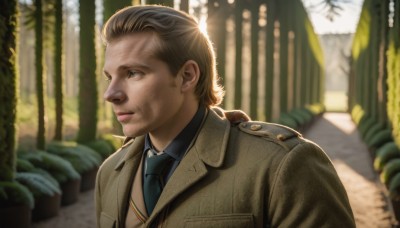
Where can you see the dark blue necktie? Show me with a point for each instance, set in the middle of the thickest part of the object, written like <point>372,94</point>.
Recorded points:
<point>156,165</point>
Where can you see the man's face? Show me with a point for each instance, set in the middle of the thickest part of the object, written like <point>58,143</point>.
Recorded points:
<point>145,96</point>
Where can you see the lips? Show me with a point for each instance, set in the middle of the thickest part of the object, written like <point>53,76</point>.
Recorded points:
<point>124,116</point>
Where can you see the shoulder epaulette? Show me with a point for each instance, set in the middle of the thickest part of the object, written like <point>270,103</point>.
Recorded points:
<point>270,130</point>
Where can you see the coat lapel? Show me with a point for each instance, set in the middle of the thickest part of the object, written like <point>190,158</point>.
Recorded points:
<point>208,149</point>
<point>128,166</point>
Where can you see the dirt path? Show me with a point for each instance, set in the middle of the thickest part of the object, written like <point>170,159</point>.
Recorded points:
<point>337,135</point>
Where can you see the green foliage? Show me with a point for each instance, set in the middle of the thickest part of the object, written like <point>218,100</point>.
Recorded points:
<point>81,157</point>
<point>384,154</point>
<point>46,175</point>
<point>394,187</point>
<point>8,88</point>
<point>14,193</point>
<point>114,140</point>
<point>357,113</point>
<point>39,185</point>
<point>366,125</point>
<point>390,169</point>
<point>102,147</point>
<point>379,139</point>
<point>288,120</point>
<point>316,109</point>
<point>372,131</point>
<point>393,68</point>
<point>301,116</point>
<point>23,165</point>
<point>59,168</point>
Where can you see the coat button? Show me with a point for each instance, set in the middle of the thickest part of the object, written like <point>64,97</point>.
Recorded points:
<point>281,137</point>
<point>255,127</point>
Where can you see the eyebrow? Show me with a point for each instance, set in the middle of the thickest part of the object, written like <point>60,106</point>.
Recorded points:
<point>129,66</point>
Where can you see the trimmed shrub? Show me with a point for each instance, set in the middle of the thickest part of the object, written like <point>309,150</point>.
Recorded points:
<point>384,154</point>
<point>14,193</point>
<point>81,157</point>
<point>59,168</point>
<point>102,147</point>
<point>391,168</point>
<point>379,139</point>
<point>38,184</point>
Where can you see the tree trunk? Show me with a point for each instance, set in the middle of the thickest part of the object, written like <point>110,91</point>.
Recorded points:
<point>87,73</point>
<point>255,10</point>
<point>216,24</point>
<point>8,88</point>
<point>169,3</point>
<point>269,59</point>
<point>58,69</point>
<point>111,7</point>
<point>239,6</point>
<point>40,79</point>
<point>284,43</point>
<point>184,6</point>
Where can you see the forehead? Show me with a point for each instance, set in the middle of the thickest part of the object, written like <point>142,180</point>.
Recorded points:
<point>132,47</point>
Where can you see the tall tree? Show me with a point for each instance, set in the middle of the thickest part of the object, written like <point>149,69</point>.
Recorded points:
<point>255,11</point>
<point>238,11</point>
<point>87,73</point>
<point>184,6</point>
<point>58,68</point>
<point>169,3</point>
<point>40,78</point>
<point>284,7</point>
<point>110,7</point>
<point>383,47</point>
<point>8,88</point>
<point>218,11</point>
<point>269,58</point>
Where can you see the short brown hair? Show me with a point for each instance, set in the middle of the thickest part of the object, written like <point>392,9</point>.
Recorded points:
<point>181,40</point>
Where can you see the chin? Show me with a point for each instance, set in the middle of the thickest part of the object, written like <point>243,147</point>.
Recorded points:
<point>133,132</point>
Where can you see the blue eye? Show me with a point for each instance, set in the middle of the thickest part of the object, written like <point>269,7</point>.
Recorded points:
<point>132,74</point>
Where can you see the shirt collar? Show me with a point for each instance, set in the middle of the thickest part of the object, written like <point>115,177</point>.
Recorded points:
<point>180,144</point>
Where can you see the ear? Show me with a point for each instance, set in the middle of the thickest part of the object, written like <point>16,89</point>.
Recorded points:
<point>190,73</point>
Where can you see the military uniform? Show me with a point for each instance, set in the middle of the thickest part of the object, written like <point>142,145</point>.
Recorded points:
<point>253,174</point>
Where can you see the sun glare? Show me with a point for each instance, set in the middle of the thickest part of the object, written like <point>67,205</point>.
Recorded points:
<point>203,25</point>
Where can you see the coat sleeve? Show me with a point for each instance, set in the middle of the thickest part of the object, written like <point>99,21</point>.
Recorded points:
<point>307,191</point>
<point>97,198</point>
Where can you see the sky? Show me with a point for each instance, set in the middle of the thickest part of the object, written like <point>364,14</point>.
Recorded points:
<point>346,22</point>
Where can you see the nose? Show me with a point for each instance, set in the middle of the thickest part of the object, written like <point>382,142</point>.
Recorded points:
<point>114,95</point>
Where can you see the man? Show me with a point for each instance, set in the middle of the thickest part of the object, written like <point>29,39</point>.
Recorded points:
<point>183,163</point>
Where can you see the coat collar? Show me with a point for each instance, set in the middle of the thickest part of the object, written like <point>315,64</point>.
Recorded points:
<point>208,149</point>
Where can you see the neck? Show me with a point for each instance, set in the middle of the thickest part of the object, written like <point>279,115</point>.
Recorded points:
<point>161,138</point>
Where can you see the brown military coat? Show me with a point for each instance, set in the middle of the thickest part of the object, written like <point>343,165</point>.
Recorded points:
<point>250,175</point>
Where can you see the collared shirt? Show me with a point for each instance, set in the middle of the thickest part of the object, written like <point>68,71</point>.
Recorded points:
<point>179,146</point>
